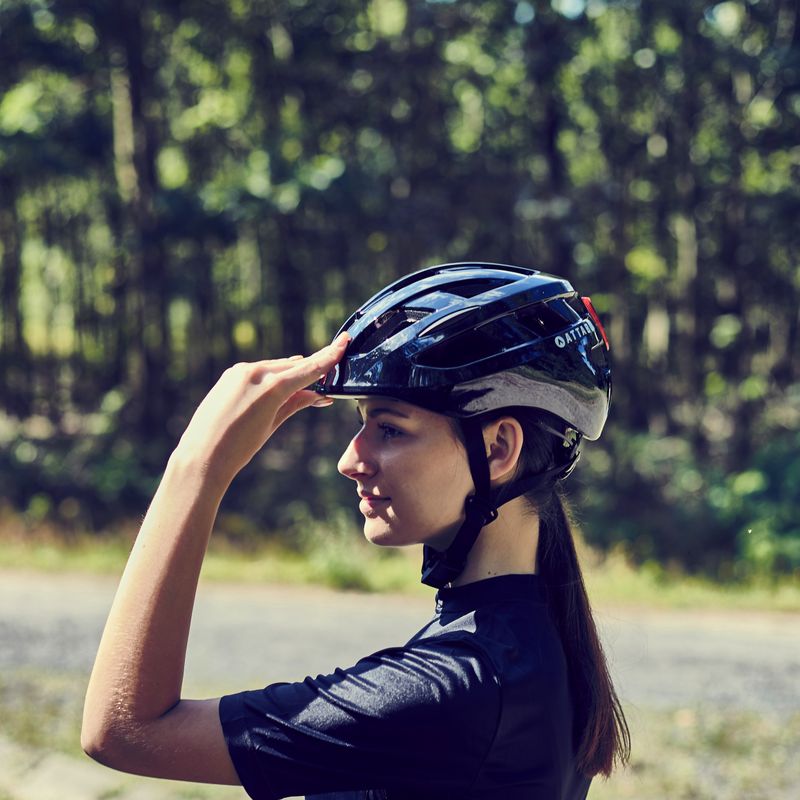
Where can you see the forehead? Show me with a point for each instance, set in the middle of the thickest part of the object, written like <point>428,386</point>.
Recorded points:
<point>388,405</point>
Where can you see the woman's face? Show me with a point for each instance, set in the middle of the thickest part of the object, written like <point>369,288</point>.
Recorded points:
<point>411,473</point>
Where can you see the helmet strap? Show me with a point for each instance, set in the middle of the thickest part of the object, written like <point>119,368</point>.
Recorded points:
<point>440,567</point>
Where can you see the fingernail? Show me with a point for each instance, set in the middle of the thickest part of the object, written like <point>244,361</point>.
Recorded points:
<point>343,336</point>
<point>322,402</point>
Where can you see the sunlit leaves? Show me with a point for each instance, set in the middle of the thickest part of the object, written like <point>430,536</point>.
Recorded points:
<point>44,98</point>
<point>466,125</point>
<point>666,39</point>
<point>571,9</point>
<point>646,266</point>
<point>725,331</point>
<point>173,169</point>
<point>19,109</point>
<point>388,17</point>
<point>321,171</point>
<point>769,174</point>
<point>727,17</point>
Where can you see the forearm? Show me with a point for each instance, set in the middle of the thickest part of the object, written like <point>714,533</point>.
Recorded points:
<point>134,716</point>
<point>138,671</point>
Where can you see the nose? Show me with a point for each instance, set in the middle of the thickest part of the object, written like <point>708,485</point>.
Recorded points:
<point>356,462</point>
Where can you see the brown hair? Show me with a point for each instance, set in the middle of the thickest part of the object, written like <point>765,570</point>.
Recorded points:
<point>600,731</point>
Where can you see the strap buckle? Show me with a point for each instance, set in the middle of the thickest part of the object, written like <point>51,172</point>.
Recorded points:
<point>482,507</point>
<point>437,571</point>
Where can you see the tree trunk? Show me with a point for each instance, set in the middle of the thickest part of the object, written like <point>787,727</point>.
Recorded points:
<point>135,146</point>
<point>14,354</point>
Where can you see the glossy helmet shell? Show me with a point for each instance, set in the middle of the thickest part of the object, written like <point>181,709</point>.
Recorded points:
<point>465,339</point>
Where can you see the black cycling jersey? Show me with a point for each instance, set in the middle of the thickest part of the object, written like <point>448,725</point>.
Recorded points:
<point>475,706</point>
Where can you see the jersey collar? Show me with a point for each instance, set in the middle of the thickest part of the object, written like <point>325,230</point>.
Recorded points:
<point>527,588</point>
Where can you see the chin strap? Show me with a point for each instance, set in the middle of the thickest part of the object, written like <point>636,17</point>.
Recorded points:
<point>440,567</point>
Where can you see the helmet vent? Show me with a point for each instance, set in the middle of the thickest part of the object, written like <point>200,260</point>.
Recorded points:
<point>543,320</point>
<point>472,288</point>
<point>388,324</point>
<point>470,346</point>
<point>537,321</point>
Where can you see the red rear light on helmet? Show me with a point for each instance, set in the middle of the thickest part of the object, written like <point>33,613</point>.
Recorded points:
<point>587,301</point>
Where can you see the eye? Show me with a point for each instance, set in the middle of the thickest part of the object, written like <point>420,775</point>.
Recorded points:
<point>388,431</point>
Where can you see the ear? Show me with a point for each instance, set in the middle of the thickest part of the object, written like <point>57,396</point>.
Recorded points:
<point>503,439</point>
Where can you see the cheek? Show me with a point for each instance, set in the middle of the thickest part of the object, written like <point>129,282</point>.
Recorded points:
<point>434,488</point>
<point>449,489</point>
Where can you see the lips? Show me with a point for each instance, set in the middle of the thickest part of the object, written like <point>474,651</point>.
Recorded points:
<point>373,499</point>
<point>371,503</point>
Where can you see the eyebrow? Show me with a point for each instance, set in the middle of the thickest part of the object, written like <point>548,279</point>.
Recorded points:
<point>374,412</point>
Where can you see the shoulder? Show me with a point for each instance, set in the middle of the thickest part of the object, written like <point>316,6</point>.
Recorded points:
<point>444,675</point>
<point>509,634</point>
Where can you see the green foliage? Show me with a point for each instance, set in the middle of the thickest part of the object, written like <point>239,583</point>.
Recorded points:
<point>179,192</point>
<point>677,508</point>
<point>80,480</point>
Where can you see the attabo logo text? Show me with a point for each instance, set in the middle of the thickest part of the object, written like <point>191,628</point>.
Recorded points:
<point>583,328</point>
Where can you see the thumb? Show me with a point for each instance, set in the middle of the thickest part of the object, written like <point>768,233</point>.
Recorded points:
<point>297,402</point>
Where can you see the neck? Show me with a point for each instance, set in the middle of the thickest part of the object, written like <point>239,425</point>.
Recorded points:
<point>506,546</point>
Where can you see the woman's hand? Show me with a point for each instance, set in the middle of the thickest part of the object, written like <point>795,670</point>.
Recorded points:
<point>248,404</point>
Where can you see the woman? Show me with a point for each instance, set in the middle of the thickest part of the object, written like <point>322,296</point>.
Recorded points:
<point>475,384</point>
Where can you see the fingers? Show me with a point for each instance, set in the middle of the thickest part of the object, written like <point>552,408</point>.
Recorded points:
<point>306,370</point>
<point>297,372</point>
<point>279,364</point>
<point>289,375</point>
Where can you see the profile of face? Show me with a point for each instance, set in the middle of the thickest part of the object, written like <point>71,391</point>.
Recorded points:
<point>411,473</point>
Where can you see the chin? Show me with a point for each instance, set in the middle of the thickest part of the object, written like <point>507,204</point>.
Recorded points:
<point>382,535</point>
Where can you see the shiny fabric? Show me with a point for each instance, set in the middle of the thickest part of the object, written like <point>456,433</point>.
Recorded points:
<point>475,706</point>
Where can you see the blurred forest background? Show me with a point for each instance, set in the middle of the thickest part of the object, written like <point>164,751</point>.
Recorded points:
<point>187,184</point>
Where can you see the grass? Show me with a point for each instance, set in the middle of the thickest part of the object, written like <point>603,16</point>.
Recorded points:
<point>705,754</point>
<point>686,753</point>
<point>612,580</point>
<point>338,558</point>
<point>330,561</point>
<point>42,709</point>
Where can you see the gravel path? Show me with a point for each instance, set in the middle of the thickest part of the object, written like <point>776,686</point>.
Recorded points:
<point>246,636</point>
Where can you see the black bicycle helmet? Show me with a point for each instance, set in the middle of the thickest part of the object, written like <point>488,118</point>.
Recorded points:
<point>470,338</point>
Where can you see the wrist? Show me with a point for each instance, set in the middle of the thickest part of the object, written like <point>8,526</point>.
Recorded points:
<point>195,471</point>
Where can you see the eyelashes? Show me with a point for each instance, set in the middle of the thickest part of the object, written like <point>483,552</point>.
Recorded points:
<point>387,431</point>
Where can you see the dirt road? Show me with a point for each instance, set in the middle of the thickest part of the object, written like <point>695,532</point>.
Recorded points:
<point>246,636</point>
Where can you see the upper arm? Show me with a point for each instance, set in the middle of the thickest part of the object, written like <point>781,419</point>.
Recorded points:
<point>186,743</point>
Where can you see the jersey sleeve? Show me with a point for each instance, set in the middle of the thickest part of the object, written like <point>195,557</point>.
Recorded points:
<point>421,715</point>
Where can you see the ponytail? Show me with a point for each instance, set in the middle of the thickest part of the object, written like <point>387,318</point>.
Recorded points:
<point>600,730</point>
